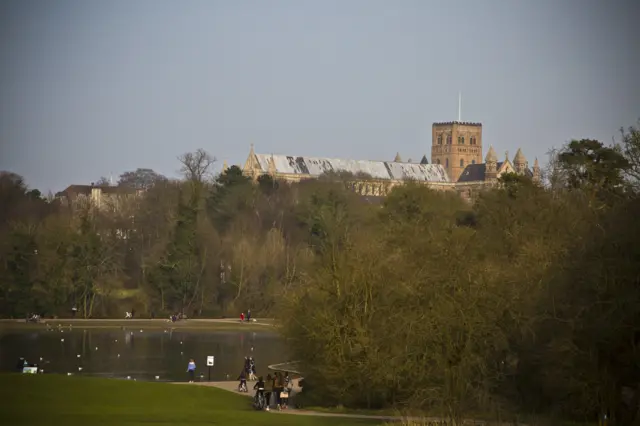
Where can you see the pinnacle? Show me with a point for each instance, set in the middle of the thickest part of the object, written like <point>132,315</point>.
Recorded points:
<point>491,155</point>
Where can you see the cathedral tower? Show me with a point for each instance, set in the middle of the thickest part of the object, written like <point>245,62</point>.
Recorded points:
<point>455,145</point>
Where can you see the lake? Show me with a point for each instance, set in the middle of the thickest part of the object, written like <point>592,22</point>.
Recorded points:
<point>141,354</point>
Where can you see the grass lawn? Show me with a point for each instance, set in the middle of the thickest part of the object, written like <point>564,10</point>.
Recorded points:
<point>60,400</point>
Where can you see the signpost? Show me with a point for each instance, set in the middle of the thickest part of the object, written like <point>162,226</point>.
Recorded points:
<point>210,361</point>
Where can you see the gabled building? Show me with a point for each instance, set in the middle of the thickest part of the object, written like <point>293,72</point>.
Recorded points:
<point>105,198</point>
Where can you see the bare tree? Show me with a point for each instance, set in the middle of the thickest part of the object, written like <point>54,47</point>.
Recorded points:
<point>196,166</point>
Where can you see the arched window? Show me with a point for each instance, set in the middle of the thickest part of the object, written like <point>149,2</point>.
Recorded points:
<point>446,163</point>
<point>449,140</point>
<point>461,140</point>
<point>439,139</point>
<point>461,162</point>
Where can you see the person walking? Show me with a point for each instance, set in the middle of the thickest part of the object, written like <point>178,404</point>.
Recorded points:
<point>268,389</point>
<point>191,369</point>
<point>278,387</point>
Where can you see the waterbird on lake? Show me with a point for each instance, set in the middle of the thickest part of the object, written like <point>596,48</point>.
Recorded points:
<point>128,377</point>
<point>62,340</point>
<point>157,377</point>
<point>118,355</point>
<point>78,355</point>
<point>79,368</point>
<point>96,348</point>
<point>69,374</point>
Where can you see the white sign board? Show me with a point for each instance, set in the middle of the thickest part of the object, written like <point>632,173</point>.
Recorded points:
<point>210,361</point>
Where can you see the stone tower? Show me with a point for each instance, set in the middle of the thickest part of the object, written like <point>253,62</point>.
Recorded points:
<point>455,145</point>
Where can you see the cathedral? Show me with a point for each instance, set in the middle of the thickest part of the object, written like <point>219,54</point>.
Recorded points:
<point>456,165</point>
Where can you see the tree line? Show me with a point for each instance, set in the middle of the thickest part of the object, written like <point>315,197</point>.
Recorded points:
<point>526,300</point>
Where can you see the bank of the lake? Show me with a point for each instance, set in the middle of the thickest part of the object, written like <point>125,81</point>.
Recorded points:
<point>189,324</point>
<point>60,400</point>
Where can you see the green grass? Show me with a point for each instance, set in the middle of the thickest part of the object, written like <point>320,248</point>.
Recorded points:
<point>61,400</point>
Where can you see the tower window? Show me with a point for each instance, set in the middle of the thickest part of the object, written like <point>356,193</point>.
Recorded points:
<point>439,139</point>
<point>461,140</point>
<point>461,162</point>
<point>446,163</point>
<point>449,140</point>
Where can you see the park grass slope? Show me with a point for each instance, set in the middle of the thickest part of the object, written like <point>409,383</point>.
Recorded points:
<point>61,400</point>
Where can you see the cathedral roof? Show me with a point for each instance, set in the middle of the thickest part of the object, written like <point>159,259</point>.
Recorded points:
<point>386,170</point>
<point>476,172</point>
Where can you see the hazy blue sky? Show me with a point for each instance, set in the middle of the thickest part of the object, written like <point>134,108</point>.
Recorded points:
<point>92,87</point>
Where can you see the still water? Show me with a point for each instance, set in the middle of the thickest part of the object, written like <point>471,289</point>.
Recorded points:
<point>141,355</point>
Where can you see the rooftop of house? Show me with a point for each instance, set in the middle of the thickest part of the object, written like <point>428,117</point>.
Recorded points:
<point>86,190</point>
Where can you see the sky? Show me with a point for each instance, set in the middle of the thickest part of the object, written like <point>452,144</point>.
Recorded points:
<point>92,88</point>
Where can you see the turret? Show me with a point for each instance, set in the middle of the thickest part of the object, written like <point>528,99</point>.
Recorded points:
<point>272,166</point>
<point>536,171</point>
<point>424,160</point>
<point>397,159</point>
<point>519,162</point>
<point>491,165</point>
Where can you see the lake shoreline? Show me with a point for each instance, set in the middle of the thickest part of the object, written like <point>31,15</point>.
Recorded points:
<point>188,324</point>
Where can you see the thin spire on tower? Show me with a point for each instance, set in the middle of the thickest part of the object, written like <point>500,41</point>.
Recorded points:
<point>459,106</point>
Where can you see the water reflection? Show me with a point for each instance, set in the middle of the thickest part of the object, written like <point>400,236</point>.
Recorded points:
<point>141,354</point>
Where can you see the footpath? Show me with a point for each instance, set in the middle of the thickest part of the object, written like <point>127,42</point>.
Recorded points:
<point>232,386</point>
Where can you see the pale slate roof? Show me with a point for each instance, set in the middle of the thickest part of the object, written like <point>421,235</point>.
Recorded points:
<point>387,170</point>
<point>475,172</point>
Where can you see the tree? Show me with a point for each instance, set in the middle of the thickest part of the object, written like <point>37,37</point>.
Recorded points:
<point>631,151</point>
<point>141,179</point>
<point>103,181</point>
<point>196,166</point>
<point>589,164</point>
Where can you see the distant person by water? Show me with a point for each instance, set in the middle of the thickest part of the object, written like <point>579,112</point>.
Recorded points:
<point>191,369</point>
<point>249,315</point>
<point>242,316</point>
